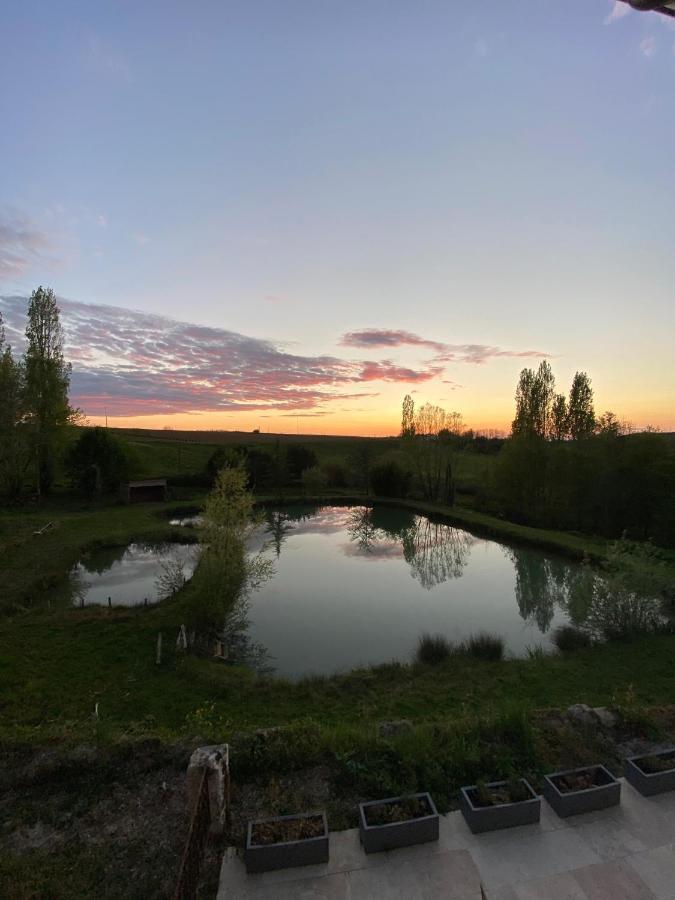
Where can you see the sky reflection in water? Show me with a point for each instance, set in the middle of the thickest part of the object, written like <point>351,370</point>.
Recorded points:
<point>355,586</point>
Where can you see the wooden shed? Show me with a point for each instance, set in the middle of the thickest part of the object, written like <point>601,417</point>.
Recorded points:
<point>148,491</point>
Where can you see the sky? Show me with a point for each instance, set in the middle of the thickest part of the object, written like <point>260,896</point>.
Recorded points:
<point>287,215</point>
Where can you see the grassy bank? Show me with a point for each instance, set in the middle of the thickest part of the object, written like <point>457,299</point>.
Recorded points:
<point>57,665</point>
<point>83,684</point>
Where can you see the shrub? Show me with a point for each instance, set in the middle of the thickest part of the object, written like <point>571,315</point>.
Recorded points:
<point>97,462</point>
<point>567,638</point>
<point>485,646</point>
<point>389,479</point>
<point>618,614</point>
<point>314,479</point>
<point>336,472</point>
<point>298,459</point>
<point>433,649</point>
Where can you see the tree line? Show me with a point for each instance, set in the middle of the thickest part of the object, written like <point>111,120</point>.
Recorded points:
<point>565,467</point>
<point>562,467</point>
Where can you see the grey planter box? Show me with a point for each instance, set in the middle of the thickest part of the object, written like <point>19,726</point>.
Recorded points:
<point>287,854</point>
<point>650,783</point>
<point>503,815</point>
<point>375,838</point>
<point>572,803</point>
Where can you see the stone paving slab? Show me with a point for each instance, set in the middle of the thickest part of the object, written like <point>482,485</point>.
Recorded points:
<point>626,852</point>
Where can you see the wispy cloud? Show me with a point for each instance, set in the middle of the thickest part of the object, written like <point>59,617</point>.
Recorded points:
<point>387,337</point>
<point>618,11</point>
<point>134,363</point>
<point>444,353</point>
<point>648,46</point>
<point>389,371</point>
<point>22,245</point>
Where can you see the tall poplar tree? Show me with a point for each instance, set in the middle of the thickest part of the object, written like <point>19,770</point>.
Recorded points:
<point>559,423</point>
<point>408,417</point>
<point>580,410</point>
<point>12,449</point>
<point>534,402</point>
<point>47,378</point>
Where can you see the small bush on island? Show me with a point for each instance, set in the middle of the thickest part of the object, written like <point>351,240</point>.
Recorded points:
<point>485,646</point>
<point>433,649</point>
<point>567,638</point>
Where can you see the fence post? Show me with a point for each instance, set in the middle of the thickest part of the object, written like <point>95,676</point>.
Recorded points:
<point>158,655</point>
<point>215,759</point>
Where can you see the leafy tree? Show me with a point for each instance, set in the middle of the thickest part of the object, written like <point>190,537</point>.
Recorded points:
<point>97,462</point>
<point>581,415</point>
<point>314,479</point>
<point>12,435</point>
<point>408,417</point>
<point>261,468</point>
<point>360,461</point>
<point>389,479</point>
<point>47,378</point>
<point>299,458</point>
<point>608,425</point>
<point>432,453</point>
<point>227,573</point>
<point>534,402</point>
<point>523,423</point>
<point>559,426</point>
<point>224,456</point>
<point>543,394</point>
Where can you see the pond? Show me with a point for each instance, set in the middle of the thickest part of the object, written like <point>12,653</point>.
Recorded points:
<point>129,575</point>
<point>356,586</point>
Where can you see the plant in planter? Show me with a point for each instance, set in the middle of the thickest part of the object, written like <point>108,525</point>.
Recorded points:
<point>577,791</point>
<point>499,804</point>
<point>652,774</point>
<point>286,841</point>
<point>397,822</point>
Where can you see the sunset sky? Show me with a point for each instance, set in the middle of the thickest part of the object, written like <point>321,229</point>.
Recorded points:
<point>287,214</point>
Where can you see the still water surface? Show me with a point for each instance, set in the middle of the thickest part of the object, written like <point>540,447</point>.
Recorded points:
<point>128,575</point>
<point>355,586</point>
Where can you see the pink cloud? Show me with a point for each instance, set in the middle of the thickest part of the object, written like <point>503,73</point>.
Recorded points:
<point>466,353</point>
<point>132,363</point>
<point>22,245</point>
<point>386,337</point>
<point>388,371</point>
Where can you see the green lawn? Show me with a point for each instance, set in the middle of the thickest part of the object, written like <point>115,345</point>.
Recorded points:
<point>56,665</point>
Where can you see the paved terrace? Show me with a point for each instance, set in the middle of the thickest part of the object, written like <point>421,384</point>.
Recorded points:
<point>623,853</point>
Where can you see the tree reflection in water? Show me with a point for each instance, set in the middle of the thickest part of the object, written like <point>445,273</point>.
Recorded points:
<point>434,552</point>
<point>362,529</point>
<point>545,582</point>
<point>278,526</point>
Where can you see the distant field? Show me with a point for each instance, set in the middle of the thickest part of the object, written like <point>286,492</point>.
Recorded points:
<point>173,453</point>
<point>235,437</point>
